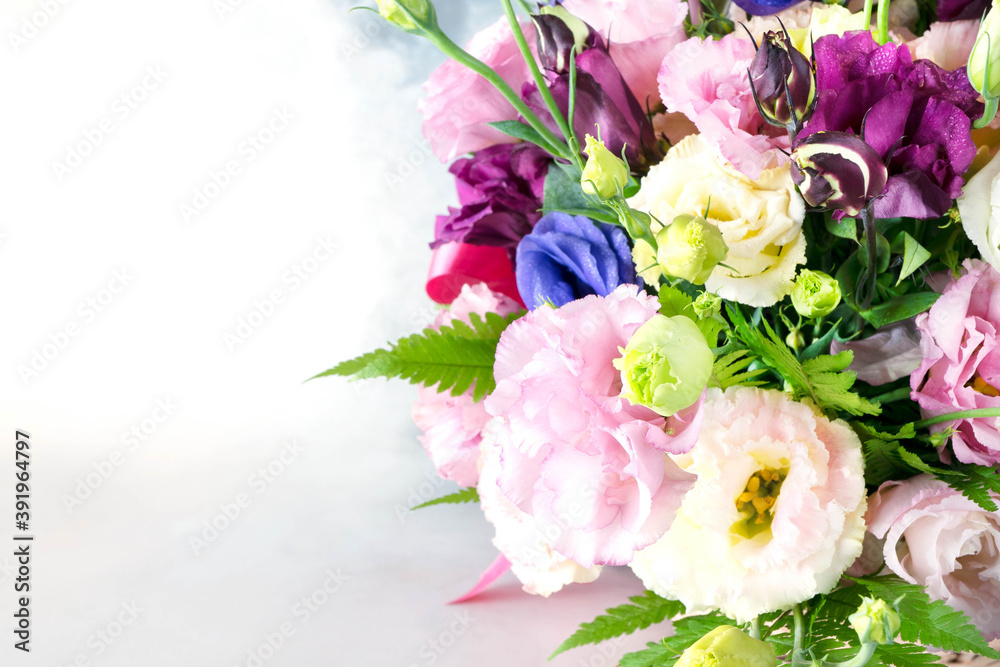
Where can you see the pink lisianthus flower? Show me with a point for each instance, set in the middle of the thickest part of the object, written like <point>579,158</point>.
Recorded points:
<point>934,536</point>
<point>640,34</point>
<point>961,361</point>
<point>707,81</point>
<point>777,513</point>
<point>460,103</point>
<point>946,44</point>
<point>589,467</point>
<point>452,425</point>
<point>541,570</point>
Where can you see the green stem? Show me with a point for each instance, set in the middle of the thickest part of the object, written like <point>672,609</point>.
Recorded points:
<point>961,414</point>
<point>799,636</point>
<point>526,6</point>
<point>536,74</point>
<point>865,654</point>
<point>459,55</point>
<point>868,14</point>
<point>894,395</point>
<point>755,628</point>
<point>883,21</point>
<point>988,114</point>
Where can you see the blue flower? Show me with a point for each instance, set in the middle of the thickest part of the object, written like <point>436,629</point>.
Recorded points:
<point>765,7</point>
<point>567,257</point>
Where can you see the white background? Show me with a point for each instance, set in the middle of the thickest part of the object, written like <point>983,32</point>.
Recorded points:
<point>115,514</point>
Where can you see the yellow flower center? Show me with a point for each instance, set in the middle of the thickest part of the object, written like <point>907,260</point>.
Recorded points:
<point>983,387</point>
<point>756,503</point>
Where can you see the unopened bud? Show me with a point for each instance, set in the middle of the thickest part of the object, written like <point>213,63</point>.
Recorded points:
<point>837,170</point>
<point>690,248</point>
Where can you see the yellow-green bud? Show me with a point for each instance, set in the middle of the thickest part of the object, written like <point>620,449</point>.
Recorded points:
<point>690,248</point>
<point>707,305</point>
<point>875,621</point>
<point>605,174</point>
<point>815,294</point>
<point>726,646</point>
<point>390,10</point>
<point>666,364</point>
<point>795,340</point>
<point>987,50</point>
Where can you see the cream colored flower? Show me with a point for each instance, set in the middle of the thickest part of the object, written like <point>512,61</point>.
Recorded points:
<point>777,513</point>
<point>541,570</point>
<point>760,221</point>
<point>979,206</point>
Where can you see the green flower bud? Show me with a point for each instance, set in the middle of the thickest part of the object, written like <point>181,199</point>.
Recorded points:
<point>815,294</point>
<point>875,621</point>
<point>391,11</point>
<point>605,174</point>
<point>795,340</point>
<point>690,248</point>
<point>707,305</point>
<point>987,51</point>
<point>666,364</point>
<point>726,646</point>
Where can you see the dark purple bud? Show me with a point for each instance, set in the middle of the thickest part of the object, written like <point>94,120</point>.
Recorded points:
<point>836,170</point>
<point>780,74</point>
<point>560,35</point>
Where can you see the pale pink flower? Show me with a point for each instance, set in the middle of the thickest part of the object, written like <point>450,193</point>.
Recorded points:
<point>518,537</point>
<point>452,424</point>
<point>946,43</point>
<point>640,34</point>
<point>961,361</point>
<point>460,103</point>
<point>776,515</point>
<point>706,80</point>
<point>934,536</point>
<point>588,466</point>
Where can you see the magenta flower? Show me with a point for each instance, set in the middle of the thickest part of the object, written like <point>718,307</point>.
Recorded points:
<point>590,468</point>
<point>918,119</point>
<point>500,190</point>
<point>961,366</point>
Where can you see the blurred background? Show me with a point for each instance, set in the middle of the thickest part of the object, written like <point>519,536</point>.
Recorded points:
<point>206,202</point>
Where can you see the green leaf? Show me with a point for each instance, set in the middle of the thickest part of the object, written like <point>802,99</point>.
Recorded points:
<point>927,621</point>
<point>914,254</point>
<point>518,130</point>
<point>644,610</point>
<point>903,655</point>
<point>823,379</point>
<point>690,629</point>
<point>674,302</point>
<point>563,191</point>
<point>469,495</point>
<point>847,228</point>
<point>455,356</point>
<point>655,655</point>
<point>976,483</point>
<point>899,308</point>
<point>729,370</point>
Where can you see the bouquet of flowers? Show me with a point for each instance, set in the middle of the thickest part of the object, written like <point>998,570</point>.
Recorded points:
<point>724,307</point>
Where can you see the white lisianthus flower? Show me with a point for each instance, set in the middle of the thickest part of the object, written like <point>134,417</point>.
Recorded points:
<point>777,513</point>
<point>541,570</point>
<point>979,206</point>
<point>760,221</point>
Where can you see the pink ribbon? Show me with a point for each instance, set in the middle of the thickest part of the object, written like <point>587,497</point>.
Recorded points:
<point>456,264</point>
<point>492,573</point>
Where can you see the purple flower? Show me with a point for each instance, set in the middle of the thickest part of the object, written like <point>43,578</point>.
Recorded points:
<point>500,190</point>
<point>764,7</point>
<point>958,10</point>
<point>917,116</point>
<point>567,257</point>
<point>603,98</point>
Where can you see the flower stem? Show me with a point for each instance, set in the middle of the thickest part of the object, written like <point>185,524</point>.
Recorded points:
<point>961,414</point>
<point>868,14</point>
<point>894,395</point>
<point>988,113</point>
<point>864,654</point>
<point>540,82</point>
<point>883,21</point>
<point>871,243</point>
<point>755,628</point>
<point>799,636</point>
<point>459,55</point>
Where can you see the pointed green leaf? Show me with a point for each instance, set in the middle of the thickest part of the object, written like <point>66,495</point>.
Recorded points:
<point>469,495</point>
<point>914,255</point>
<point>644,610</point>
